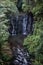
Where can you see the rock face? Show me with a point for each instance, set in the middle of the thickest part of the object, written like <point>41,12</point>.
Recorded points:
<point>19,5</point>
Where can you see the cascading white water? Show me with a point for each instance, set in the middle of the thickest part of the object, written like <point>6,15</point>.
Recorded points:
<point>21,24</point>
<point>24,25</point>
<point>20,57</point>
<point>13,29</point>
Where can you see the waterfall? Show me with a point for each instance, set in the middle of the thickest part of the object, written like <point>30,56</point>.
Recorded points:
<point>24,25</point>
<point>13,27</point>
<point>13,30</point>
<point>21,24</point>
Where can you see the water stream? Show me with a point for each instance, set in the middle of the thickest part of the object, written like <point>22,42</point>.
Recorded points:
<point>21,57</point>
<point>22,25</point>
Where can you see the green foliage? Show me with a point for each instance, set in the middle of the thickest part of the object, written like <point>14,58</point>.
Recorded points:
<point>5,57</point>
<point>25,6</point>
<point>34,43</point>
<point>7,4</point>
<point>4,6</point>
<point>3,30</point>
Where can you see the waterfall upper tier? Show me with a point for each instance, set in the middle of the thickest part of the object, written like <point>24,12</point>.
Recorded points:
<point>21,24</point>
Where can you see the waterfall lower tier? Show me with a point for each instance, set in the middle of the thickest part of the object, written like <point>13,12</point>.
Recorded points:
<point>20,57</point>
